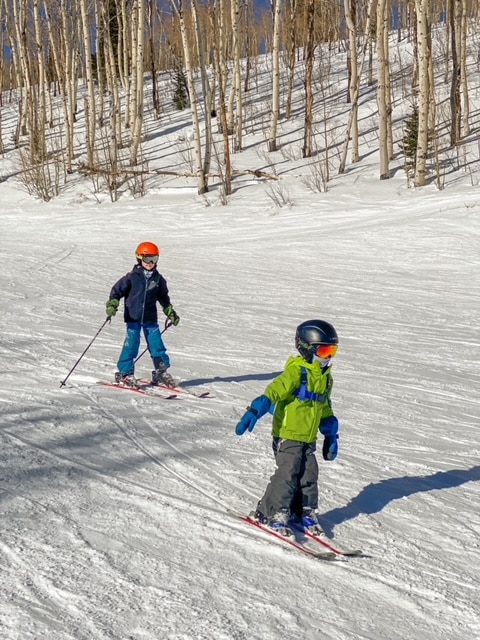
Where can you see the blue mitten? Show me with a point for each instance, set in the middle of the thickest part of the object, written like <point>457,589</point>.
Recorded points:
<point>329,429</point>
<point>255,411</point>
<point>330,447</point>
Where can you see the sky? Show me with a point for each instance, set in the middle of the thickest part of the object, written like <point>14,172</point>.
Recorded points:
<point>114,506</point>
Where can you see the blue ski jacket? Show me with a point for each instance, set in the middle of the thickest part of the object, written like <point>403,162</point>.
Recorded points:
<point>141,294</point>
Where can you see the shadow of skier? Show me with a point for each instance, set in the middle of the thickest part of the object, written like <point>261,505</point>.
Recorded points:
<point>374,497</point>
<point>243,378</point>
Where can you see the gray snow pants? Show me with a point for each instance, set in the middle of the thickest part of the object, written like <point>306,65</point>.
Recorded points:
<point>295,482</point>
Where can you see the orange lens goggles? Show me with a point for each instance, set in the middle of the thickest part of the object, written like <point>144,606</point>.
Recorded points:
<point>325,351</point>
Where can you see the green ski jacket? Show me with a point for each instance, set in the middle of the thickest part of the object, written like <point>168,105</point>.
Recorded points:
<point>296,419</point>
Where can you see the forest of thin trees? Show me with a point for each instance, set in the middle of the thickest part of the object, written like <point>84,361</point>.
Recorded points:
<point>57,55</point>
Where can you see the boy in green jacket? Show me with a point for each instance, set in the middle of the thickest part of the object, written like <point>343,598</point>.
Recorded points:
<point>301,399</point>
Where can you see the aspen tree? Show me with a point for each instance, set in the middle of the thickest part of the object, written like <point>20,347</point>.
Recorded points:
<point>382,20</point>
<point>19,47</point>
<point>310,57</point>
<point>202,183</point>
<point>90,110</point>
<point>40,112</point>
<point>64,49</point>
<point>423,53</point>
<point>455,9</point>
<point>292,48</point>
<point>272,140</point>
<point>356,86</point>
<point>153,68</point>
<point>350,17</point>
<point>218,18</point>
<point>206,90</point>
<point>138,40</point>
<point>237,79</point>
<point>115,117</point>
<point>463,69</point>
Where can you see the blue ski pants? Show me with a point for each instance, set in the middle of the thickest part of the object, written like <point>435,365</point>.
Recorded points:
<point>131,346</point>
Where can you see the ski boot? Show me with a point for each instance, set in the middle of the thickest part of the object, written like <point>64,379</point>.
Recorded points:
<point>161,376</point>
<point>126,380</point>
<point>310,521</point>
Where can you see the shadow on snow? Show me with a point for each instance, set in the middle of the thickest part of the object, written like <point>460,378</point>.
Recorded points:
<point>374,497</point>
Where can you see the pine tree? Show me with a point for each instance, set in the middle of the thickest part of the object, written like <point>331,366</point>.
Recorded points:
<point>410,143</point>
<point>180,97</point>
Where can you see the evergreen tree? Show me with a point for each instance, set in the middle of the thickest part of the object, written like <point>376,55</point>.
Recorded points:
<point>180,97</point>
<point>410,143</point>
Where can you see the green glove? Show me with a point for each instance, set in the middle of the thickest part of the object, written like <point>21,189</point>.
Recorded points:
<point>171,315</point>
<point>112,306</point>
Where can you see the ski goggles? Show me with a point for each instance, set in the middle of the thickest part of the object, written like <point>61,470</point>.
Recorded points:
<point>149,259</point>
<point>324,351</point>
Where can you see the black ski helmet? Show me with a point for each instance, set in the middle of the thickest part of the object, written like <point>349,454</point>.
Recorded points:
<point>314,332</point>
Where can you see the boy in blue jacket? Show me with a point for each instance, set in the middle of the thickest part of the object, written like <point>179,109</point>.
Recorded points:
<point>142,288</point>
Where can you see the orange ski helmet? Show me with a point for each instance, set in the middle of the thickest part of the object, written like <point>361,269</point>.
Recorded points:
<point>146,249</point>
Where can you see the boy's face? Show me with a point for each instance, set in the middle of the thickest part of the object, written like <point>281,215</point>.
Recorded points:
<point>148,266</point>
<point>149,262</point>
<point>324,362</point>
<point>323,353</point>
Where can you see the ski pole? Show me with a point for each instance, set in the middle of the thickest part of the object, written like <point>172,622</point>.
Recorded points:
<point>167,324</point>
<point>108,319</point>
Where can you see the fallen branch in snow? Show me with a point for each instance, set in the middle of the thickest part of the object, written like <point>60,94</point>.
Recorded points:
<point>89,170</point>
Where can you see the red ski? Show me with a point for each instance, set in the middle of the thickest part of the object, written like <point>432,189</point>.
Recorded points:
<point>290,540</point>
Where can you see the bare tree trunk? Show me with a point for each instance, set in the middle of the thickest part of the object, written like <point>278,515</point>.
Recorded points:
<point>272,140</point>
<point>177,6</point>
<point>41,110</point>
<point>382,20</point>
<point>237,78</point>
<point>63,46</point>
<point>455,8</point>
<point>23,79</point>
<point>125,55</point>
<point>423,12</point>
<point>356,87</point>
<point>221,65</point>
<point>463,69</point>
<point>115,115</point>
<point>138,38</point>
<point>206,91</point>
<point>388,87</point>
<point>350,16</point>
<point>153,69</point>
<point>291,56</point>
<point>310,57</point>
<point>90,111</point>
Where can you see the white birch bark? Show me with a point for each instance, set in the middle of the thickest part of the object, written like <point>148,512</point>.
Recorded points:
<point>206,91</point>
<point>352,38</point>
<point>463,70</point>
<point>221,65</point>
<point>40,113</point>
<point>382,18</point>
<point>292,50</point>
<point>272,140</point>
<point>356,87</point>
<point>138,42</point>
<point>62,43</point>
<point>90,100</point>
<point>310,57</point>
<point>237,77</point>
<point>177,6</point>
<point>423,12</point>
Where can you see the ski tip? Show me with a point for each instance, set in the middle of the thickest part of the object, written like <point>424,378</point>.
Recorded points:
<point>328,555</point>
